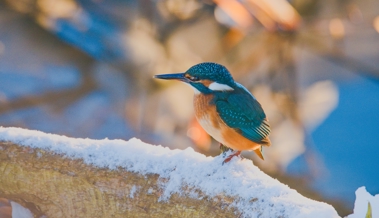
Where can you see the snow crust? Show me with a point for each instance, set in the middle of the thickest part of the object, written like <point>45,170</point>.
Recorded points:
<point>19,211</point>
<point>256,194</point>
<point>361,204</point>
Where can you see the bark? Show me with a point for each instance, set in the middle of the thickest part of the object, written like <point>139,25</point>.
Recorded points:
<point>56,186</point>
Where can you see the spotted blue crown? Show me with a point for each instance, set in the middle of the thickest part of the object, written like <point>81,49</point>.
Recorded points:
<point>211,71</point>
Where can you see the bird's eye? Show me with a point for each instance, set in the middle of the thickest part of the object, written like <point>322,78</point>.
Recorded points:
<point>192,78</point>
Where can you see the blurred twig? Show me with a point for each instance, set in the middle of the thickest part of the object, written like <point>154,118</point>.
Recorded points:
<point>335,55</point>
<point>62,98</point>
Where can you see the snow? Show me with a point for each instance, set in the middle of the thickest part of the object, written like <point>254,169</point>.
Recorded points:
<point>133,191</point>
<point>150,191</point>
<point>19,211</point>
<point>255,193</point>
<point>361,204</point>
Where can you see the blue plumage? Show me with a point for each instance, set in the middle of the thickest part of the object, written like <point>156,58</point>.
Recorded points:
<point>211,71</point>
<point>226,109</point>
<point>241,111</point>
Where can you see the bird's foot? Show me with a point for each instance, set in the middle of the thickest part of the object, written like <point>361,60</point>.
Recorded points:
<point>237,153</point>
<point>224,149</point>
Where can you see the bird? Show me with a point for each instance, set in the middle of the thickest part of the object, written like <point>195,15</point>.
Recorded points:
<point>225,109</point>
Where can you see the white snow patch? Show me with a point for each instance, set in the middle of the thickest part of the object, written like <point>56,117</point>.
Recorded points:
<point>150,191</point>
<point>256,194</point>
<point>133,190</point>
<point>19,211</point>
<point>361,204</point>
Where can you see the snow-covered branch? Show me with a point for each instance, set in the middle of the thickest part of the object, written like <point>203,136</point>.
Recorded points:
<point>66,177</point>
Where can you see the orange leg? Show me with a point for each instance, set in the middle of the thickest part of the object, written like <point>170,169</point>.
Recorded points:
<point>231,156</point>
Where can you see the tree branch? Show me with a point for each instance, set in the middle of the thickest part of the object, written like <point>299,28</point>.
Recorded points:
<point>58,176</point>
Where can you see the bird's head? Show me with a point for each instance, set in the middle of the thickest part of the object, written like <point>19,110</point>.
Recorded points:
<point>205,78</point>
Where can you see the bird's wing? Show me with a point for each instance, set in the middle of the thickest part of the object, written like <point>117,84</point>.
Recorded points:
<point>243,112</point>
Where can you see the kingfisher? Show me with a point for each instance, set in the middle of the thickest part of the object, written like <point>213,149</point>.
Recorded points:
<point>225,109</point>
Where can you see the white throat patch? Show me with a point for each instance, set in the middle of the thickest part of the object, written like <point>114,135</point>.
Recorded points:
<point>194,89</point>
<point>219,87</point>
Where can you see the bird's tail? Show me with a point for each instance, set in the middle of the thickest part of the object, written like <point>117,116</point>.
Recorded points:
<point>259,152</point>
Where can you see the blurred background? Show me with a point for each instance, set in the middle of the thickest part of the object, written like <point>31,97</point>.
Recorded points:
<point>83,68</point>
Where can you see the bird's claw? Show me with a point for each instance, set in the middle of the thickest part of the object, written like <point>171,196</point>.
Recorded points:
<point>229,158</point>
<point>224,149</point>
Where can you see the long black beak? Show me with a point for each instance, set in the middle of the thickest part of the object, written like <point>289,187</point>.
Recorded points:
<point>173,76</point>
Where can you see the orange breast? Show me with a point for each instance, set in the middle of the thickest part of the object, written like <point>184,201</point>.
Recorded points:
<point>209,119</point>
